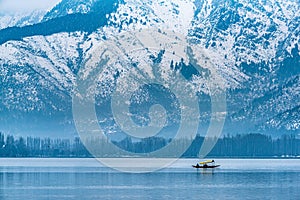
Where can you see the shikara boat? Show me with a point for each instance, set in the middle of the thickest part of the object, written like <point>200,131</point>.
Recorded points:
<point>206,164</point>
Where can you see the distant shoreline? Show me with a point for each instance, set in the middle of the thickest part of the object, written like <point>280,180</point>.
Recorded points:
<point>252,145</point>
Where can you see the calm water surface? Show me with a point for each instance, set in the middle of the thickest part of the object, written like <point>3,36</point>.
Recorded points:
<point>39,179</point>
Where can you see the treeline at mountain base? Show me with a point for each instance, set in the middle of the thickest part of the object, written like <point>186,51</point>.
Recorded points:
<point>253,145</point>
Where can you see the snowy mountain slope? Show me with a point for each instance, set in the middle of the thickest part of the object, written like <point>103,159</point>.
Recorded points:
<point>85,22</point>
<point>254,41</point>
<point>173,15</point>
<point>237,32</point>
<point>277,100</point>
<point>69,7</point>
<point>21,19</point>
<point>288,120</point>
<point>253,46</point>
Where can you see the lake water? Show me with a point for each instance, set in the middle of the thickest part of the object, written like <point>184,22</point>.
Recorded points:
<point>38,179</point>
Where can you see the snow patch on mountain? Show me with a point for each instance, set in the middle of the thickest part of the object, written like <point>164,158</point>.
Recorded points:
<point>169,15</point>
<point>66,7</point>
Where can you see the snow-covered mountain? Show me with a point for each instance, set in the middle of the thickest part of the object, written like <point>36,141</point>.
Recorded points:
<point>21,19</point>
<point>254,46</point>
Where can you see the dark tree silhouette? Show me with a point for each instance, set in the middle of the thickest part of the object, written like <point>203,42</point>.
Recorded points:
<point>252,145</point>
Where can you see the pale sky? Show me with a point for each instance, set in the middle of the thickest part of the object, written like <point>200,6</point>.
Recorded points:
<point>25,5</point>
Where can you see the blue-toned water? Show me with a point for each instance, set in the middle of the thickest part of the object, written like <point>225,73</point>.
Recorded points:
<point>87,179</point>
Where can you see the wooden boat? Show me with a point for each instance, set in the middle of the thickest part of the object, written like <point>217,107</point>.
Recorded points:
<point>206,164</point>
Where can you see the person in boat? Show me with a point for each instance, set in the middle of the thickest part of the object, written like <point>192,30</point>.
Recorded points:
<point>197,165</point>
